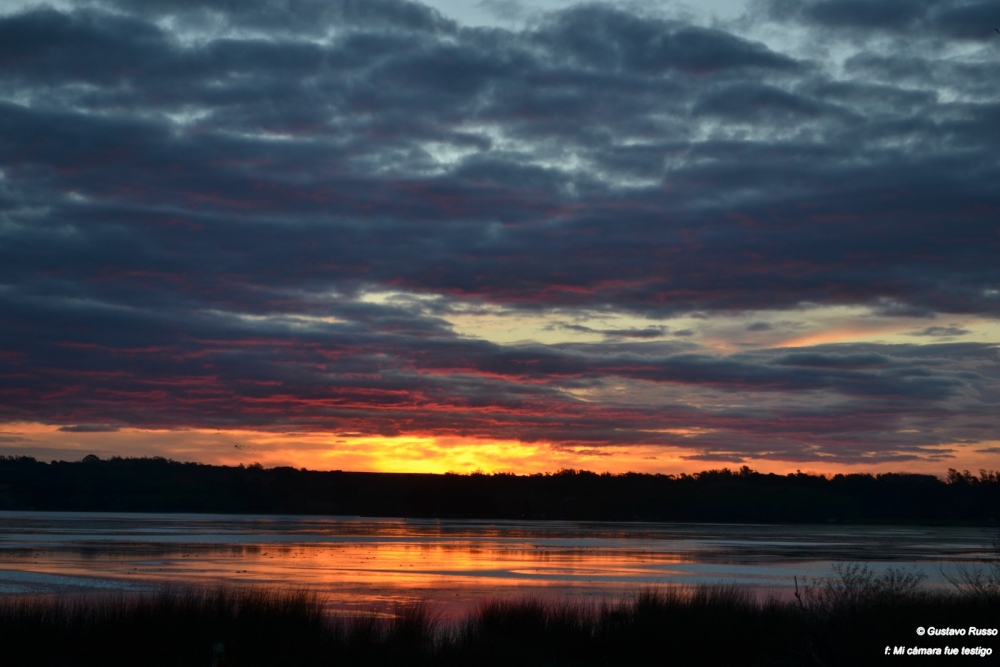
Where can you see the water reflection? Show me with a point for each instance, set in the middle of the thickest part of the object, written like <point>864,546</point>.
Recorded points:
<point>356,563</point>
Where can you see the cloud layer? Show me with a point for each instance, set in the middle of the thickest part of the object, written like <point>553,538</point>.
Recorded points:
<point>198,201</point>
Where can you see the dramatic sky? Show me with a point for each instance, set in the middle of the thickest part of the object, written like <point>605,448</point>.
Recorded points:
<point>383,235</point>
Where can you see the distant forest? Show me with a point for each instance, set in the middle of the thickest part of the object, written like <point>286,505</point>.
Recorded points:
<point>161,485</point>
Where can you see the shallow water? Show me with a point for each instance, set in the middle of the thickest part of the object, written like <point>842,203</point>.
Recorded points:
<point>362,563</point>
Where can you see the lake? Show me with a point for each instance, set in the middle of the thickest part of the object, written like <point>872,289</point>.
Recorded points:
<point>360,564</point>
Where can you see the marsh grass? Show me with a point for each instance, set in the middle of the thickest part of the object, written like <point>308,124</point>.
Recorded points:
<point>847,620</point>
<point>254,626</point>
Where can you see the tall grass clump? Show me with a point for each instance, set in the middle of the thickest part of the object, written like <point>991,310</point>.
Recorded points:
<point>409,636</point>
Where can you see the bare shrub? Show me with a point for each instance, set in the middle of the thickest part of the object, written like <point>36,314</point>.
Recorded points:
<point>857,584</point>
<point>981,580</point>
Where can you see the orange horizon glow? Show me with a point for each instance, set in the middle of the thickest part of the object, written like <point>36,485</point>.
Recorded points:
<point>431,454</point>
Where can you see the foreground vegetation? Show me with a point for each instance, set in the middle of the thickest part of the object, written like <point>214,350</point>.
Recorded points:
<point>848,620</point>
<point>159,485</point>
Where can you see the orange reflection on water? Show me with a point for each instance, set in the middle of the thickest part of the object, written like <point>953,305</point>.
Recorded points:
<point>358,564</point>
<point>357,576</point>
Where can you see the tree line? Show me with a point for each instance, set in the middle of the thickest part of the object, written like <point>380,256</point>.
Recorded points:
<point>743,495</point>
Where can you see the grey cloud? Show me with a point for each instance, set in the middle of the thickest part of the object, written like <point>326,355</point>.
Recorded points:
<point>300,17</point>
<point>48,45</point>
<point>889,14</point>
<point>503,9</point>
<point>647,332</point>
<point>749,102</point>
<point>832,360</point>
<point>599,36</point>
<point>90,428</point>
<point>715,458</point>
<point>953,330</point>
<point>969,19</point>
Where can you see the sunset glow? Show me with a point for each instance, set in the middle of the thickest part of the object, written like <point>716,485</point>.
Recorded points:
<point>438,455</point>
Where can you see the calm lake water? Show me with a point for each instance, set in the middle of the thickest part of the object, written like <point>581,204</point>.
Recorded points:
<point>361,563</point>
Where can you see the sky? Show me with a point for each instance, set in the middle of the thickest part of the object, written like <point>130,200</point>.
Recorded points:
<point>502,236</point>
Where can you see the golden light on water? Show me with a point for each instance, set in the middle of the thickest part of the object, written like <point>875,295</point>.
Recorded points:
<point>357,576</point>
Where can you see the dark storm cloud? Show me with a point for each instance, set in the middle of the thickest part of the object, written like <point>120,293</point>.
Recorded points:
<point>336,113</point>
<point>193,197</point>
<point>969,19</point>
